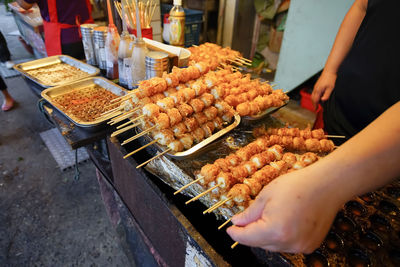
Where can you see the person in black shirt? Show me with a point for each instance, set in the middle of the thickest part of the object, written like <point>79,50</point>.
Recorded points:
<point>295,211</point>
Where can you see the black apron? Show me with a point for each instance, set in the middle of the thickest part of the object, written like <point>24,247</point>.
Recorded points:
<point>368,80</point>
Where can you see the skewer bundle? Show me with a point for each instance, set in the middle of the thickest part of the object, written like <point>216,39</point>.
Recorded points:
<point>146,12</point>
<point>214,55</point>
<point>179,117</point>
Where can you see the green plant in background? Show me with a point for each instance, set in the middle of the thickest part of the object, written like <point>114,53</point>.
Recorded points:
<point>6,4</point>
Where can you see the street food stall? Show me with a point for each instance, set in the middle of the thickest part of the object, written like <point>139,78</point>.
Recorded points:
<point>191,146</point>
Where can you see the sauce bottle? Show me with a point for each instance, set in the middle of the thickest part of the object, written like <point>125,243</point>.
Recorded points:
<point>124,53</point>
<point>177,24</point>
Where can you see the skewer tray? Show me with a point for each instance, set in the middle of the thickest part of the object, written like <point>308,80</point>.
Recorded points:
<point>194,150</point>
<point>54,61</point>
<point>51,93</point>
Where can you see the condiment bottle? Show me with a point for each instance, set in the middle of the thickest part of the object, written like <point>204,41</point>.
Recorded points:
<point>139,53</point>
<point>177,24</point>
<point>111,47</point>
<point>124,53</point>
<point>138,61</point>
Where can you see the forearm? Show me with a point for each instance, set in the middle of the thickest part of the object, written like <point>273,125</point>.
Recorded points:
<point>24,4</point>
<point>345,36</point>
<point>366,162</point>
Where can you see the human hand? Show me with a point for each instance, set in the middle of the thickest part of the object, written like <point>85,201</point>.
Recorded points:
<point>323,87</point>
<point>292,214</point>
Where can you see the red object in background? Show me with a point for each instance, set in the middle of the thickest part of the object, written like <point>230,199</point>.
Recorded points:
<point>307,103</point>
<point>146,32</point>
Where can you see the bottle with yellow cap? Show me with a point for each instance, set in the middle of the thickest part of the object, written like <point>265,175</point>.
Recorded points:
<point>177,24</point>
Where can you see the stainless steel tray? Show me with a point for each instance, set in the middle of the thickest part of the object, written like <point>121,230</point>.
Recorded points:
<point>50,93</point>
<point>23,68</point>
<point>263,114</point>
<point>200,146</point>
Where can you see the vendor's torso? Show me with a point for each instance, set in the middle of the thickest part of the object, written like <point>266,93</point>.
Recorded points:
<point>368,78</point>
<point>67,12</point>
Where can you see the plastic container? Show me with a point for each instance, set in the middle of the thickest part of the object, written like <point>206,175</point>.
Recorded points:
<point>193,21</point>
<point>306,102</point>
<point>125,59</point>
<point>146,32</point>
<point>177,24</point>
<point>138,61</point>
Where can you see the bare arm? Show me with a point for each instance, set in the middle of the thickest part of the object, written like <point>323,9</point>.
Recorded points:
<point>24,4</point>
<point>295,211</point>
<point>343,42</point>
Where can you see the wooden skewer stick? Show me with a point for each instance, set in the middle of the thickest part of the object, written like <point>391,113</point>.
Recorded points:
<point>111,122</point>
<point>225,223</point>
<point>124,116</point>
<point>138,118</point>
<point>235,61</point>
<point>110,116</point>
<point>245,59</point>
<point>242,62</point>
<point>234,245</point>
<point>334,136</point>
<point>140,148</point>
<point>138,135</point>
<point>127,95</point>
<point>187,185</point>
<point>153,158</point>
<point>123,125</point>
<point>202,194</point>
<point>110,111</point>
<point>124,129</point>
<point>217,205</point>
<point>273,85</point>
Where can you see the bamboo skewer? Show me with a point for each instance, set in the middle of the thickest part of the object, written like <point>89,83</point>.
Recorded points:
<point>153,158</point>
<point>202,194</point>
<point>217,205</point>
<point>119,116</point>
<point>140,148</point>
<point>334,136</point>
<point>138,135</point>
<point>225,223</point>
<point>124,129</point>
<point>110,111</point>
<point>234,245</point>
<point>245,59</point>
<point>187,185</point>
<point>110,116</point>
<point>124,116</point>
<point>123,125</point>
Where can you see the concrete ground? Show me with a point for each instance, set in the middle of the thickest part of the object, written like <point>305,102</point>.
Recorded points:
<point>46,218</point>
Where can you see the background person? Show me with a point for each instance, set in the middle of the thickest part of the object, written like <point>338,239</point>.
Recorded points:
<point>61,20</point>
<point>8,102</point>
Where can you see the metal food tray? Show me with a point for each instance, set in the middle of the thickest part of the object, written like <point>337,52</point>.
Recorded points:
<point>200,146</point>
<point>50,93</point>
<point>53,60</point>
<point>263,114</point>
